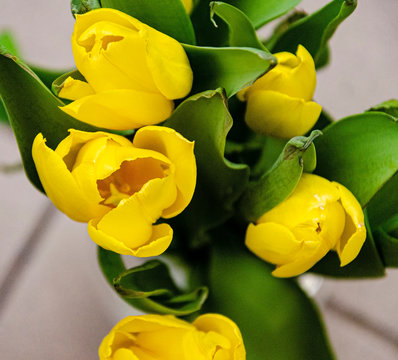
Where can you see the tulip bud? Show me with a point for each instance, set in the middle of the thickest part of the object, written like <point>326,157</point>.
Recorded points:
<point>210,337</point>
<point>317,217</point>
<point>120,188</point>
<point>133,72</point>
<point>279,103</point>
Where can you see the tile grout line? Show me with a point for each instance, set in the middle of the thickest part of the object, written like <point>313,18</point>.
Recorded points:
<point>19,265</point>
<point>360,320</point>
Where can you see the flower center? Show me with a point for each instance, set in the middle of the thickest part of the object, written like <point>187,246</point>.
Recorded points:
<point>130,178</point>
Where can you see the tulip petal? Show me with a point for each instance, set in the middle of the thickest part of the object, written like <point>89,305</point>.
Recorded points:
<point>276,114</point>
<point>226,327</point>
<point>294,76</point>
<point>169,65</point>
<point>180,152</point>
<point>272,242</point>
<point>127,229</point>
<point>354,234</point>
<point>73,89</point>
<point>312,253</point>
<point>311,193</point>
<point>121,109</point>
<point>60,186</point>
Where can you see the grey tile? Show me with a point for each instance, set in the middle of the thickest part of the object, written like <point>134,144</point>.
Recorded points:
<point>21,204</point>
<point>351,341</point>
<point>62,304</point>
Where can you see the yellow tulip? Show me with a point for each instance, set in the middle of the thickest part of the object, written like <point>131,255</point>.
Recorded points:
<point>150,337</point>
<point>317,217</point>
<point>279,103</point>
<point>133,72</point>
<point>120,188</point>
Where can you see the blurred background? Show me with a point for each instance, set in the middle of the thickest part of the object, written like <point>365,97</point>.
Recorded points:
<point>53,298</point>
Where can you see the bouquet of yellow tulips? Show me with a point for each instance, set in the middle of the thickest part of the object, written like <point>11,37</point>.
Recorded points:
<point>183,135</point>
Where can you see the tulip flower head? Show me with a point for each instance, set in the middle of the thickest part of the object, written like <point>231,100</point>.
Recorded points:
<point>120,188</point>
<point>279,103</point>
<point>133,72</point>
<point>317,217</point>
<point>209,337</point>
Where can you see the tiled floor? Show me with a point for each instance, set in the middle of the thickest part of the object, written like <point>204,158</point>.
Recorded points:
<point>54,303</point>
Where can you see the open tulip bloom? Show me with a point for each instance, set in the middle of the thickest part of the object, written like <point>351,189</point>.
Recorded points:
<point>136,143</point>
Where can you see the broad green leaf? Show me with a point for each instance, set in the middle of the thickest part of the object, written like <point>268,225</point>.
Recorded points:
<point>389,107</point>
<point>386,238</point>
<point>277,320</point>
<point>258,12</point>
<point>384,204</point>
<point>166,16</point>
<point>279,182</point>
<point>388,247</point>
<point>217,67</point>
<point>368,263</point>
<point>360,152</point>
<point>47,76</point>
<point>3,113</point>
<point>8,42</point>
<point>32,108</point>
<point>149,287</point>
<point>82,6</point>
<point>241,32</point>
<point>314,31</point>
<point>204,118</point>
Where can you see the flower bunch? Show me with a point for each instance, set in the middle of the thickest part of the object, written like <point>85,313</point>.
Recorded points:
<point>177,138</point>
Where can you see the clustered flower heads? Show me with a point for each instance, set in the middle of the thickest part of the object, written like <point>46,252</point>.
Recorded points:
<point>126,186</point>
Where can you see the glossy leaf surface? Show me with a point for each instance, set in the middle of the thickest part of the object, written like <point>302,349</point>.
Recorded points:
<point>276,318</point>
<point>32,108</point>
<point>279,182</point>
<point>360,152</point>
<point>315,30</point>
<point>204,118</point>
<point>149,287</point>
<point>217,67</point>
<point>240,30</point>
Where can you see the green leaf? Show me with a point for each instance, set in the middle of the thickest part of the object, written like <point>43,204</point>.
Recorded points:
<point>261,12</point>
<point>279,182</point>
<point>217,67</point>
<point>3,113</point>
<point>314,31</point>
<point>368,263</point>
<point>384,204</point>
<point>360,152</point>
<point>149,287</point>
<point>388,247</point>
<point>166,16</point>
<point>204,118</point>
<point>241,31</point>
<point>277,320</point>
<point>258,12</point>
<point>32,108</point>
<point>389,107</point>
<point>82,6</point>
<point>8,43</point>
